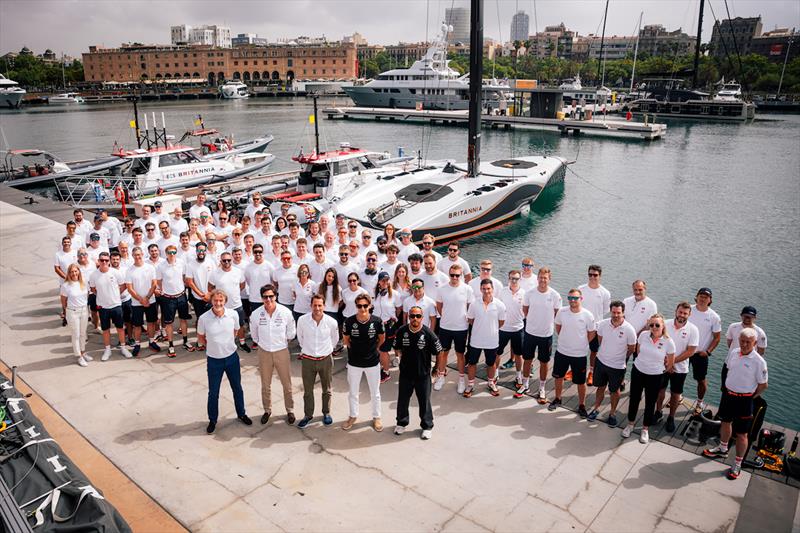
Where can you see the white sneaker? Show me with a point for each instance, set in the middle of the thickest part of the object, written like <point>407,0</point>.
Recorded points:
<point>395,361</point>
<point>439,383</point>
<point>462,385</point>
<point>627,431</point>
<point>82,361</point>
<point>399,430</point>
<point>125,352</point>
<point>644,437</point>
<point>106,354</point>
<point>426,434</point>
<point>88,357</point>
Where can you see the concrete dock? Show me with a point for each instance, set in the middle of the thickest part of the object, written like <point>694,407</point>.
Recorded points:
<point>493,463</point>
<point>605,126</point>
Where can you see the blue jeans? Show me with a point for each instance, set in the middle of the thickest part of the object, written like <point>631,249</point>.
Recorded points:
<point>216,368</point>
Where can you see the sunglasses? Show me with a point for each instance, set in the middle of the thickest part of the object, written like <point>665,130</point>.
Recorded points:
<point>654,326</point>
<point>526,265</point>
<point>268,297</point>
<point>454,276</point>
<point>427,243</point>
<point>594,275</point>
<point>415,315</point>
<point>226,260</point>
<point>366,237</point>
<point>486,269</point>
<point>257,252</point>
<point>452,249</point>
<point>352,227</point>
<point>513,279</point>
<point>362,306</point>
<point>371,260</point>
<point>415,287</point>
<point>82,255</point>
<point>344,255</point>
<point>573,298</point>
<point>172,252</point>
<point>104,260</point>
<point>352,281</point>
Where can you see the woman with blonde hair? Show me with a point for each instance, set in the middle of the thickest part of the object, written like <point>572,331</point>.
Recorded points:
<point>401,284</point>
<point>75,304</point>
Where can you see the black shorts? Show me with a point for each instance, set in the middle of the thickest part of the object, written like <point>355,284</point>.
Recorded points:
<point>606,376</point>
<point>139,314</point>
<point>93,302</point>
<point>390,329</point>
<point>246,307</point>
<point>515,338</point>
<point>474,355</point>
<point>564,362</point>
<point>448,338</point>
<point>107,316</point>
<point>737,409</point>
<point>594,345</point>
<point>699,367</point>
<point>533,344</point>
<point>240,312</point>
<point>675,381</point>
<point>126,311</point>
<point>199,306</point>
<point>253,306</point>
<point>170,305</point>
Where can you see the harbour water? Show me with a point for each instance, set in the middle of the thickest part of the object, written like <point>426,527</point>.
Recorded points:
<point>714,205</point>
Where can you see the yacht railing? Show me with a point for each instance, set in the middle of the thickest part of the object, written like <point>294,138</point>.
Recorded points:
<point>81,191</point>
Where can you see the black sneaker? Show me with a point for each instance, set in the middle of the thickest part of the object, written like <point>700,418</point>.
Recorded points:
<point>210,427</point>
<point>670,424</point>
<point>244,419</point>
<point>582,411</point>
<point>554,404</point>
<point>265,418</point>
<point>657,417</point>
<point>245,347</point>
<point>135,351</point>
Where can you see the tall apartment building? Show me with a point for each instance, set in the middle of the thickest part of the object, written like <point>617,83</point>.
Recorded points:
<point>554,41</point>
<point>458,18</point>
<point>133,63</point>
<point>733,34</point>
<point>614,47</point>
<point>520,27</point>
<point>655,40</point>
<point>775,44</point>
<point>209,35</point>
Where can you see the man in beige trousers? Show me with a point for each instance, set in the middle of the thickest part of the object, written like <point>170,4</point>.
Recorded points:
<point>272,327</point>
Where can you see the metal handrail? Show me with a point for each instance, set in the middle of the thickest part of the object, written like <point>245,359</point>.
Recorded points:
<point>94,189</point>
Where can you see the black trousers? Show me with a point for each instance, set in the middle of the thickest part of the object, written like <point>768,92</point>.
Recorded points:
<point>421,385</point>
<point>650,385</point>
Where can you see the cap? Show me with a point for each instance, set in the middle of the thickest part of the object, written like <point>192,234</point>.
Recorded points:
<point>704,290</point>
<point>157,203</point>
<point>383,275</point>
<point>749,310</point>
<point>339,215</point>
<point>100,211</point>
<point>382,238</point>
<point>94,236</point>
<point>97,216</point>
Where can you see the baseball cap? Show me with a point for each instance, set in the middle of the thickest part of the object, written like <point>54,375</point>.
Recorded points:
<point>704,290</point>
<point>383,275</point>
<point>382,238</point>
<point>749,310</point>
<point>96,237</point>
<point>157,203</point>
<point>97,216</point>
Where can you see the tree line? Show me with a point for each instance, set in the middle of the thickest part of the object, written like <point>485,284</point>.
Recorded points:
<point>34,72</point>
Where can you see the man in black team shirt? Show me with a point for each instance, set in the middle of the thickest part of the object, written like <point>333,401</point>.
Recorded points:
<point>362,335</point>
<point>416,345</point>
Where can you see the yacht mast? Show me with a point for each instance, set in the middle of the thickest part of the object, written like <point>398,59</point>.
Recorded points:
<point>475,81</point>
<point>697,45</point>
<point>636,50</point>
<point>316,127</point>
<point>785,59</point>
<point>602,61</point>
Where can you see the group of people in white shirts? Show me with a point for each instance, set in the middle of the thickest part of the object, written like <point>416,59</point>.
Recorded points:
<point>113,264</point>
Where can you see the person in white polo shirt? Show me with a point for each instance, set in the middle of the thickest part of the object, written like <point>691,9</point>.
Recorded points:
<point>709,327</point>
<point>617,340</point>
<point>656,355</point>
<point>167,238</point>
<point>320,263</point>
<point>452,303</point>
<point>453,258</point>
<point>217,330</point>
<point>513,331</point>
<point>639,307</point>
<point>434,279</point>
<point>142,285</point>
<point>486,316</point>
<point>230,280</point>
<point>596,300</point>
<point>257,274</point>
<point>540,306</point>
<point>419,298</point>
<point>485,273</point>
<point>64,258</point>
<point>199,207</point>
<point>686,338</point>
<point>177,223</point>
<point>105,284</point>
<point>748,315</point>
<point>317,334</point>
<point>576,329</point>
<point>428,241</point>
<point>272,327</point>
<point>171,293</point>
<point>744,378</point>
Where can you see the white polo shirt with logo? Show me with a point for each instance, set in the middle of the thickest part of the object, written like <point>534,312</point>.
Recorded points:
<point>573,338</point>
<point>614,344</point>
<point>708,323</point>
<point>219,332</point>
<point>638,313</point>
<point>106,284</point>
<point>486,323</point>
<point>141,279</point>
<point>687,336</point>
<point>514,315</point>
<point>651,356</point>
<point>745,372</point>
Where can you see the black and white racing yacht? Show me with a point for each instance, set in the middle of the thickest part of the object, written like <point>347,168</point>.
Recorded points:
<point>450,200</point>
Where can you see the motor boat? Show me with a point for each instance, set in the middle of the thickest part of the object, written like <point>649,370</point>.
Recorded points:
<point>328,177</point>
<point>39,167</point>
<point>430,83</point>
<point>160,169</point>
<point>234,90</point>
<point>214,145</point>
<point>670,98</point>
<point>575,92</point>
<point>11,93</point>
<point>729,92</point>
<point>65,99</point>
<point>452,201</point>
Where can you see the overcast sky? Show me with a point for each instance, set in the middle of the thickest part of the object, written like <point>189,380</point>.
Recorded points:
<point>70,26</point>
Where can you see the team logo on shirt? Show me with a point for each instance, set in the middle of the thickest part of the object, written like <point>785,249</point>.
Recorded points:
<point>371,331</point>
<point>406,341</point>
<point>683,334</point>
<point>621,334</point>
<point>660,345</point>
<point>421,342</point>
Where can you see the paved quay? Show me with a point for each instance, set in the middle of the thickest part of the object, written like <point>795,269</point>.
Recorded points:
<point>493,463</point>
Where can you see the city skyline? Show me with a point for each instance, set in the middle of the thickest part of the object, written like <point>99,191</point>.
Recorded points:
<point>70,27</point>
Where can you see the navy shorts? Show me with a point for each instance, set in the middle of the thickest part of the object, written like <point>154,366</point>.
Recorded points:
<point>699,367</point>
<point>170,305</point>
<point>474,355</point>
<point>737,409</point>
<point>606,376</point>
<point>675,381</point>
<point>109,316</point>
<point>449,338</point>
<point>126,311</point>
<point>563,363</point>
<point>93,302</point>
<point>533,344</point>
<point>594,344</point>
<point>199,306</point>
<point>139,314</point>
<point>515,338</point>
